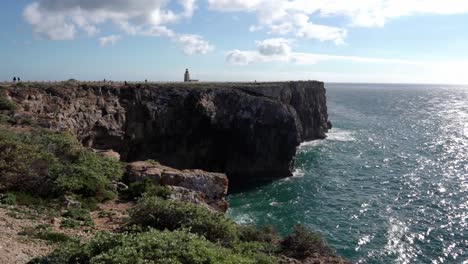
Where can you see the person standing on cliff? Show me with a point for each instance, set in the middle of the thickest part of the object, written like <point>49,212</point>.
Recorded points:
<point>14,79</point>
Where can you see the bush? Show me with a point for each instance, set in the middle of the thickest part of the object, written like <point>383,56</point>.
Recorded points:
<point>50,165</point>
<point>6,104</point>
<point>149,247</point>
<point>45,233</point>
<point>267,234</point>
<point>137,189</point>
<point>8,198</point>
<point>261,252</point>
<point>81,215</point>
<point>4,119</point>
<point>303,243</point>
<point>21,198</point>
<point>70,223</point>
<point>165,214</point>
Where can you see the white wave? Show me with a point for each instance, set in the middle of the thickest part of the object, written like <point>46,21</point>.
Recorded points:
<point>335,134</point>
<point>244,219</point>
<point>340,135</point>
<point>298,173</point>
<point>274,204</point>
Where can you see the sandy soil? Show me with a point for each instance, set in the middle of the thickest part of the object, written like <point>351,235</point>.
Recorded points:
<point>15,248</point>
<point>18,249</point>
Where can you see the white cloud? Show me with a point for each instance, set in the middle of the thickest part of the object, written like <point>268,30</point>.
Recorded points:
<point>193,44</point>
<point>244,57</point>
<point>276,46</point>
<point>322,33</point>
<point>54,27</point>
<point>297,16</point>
<point>65,19</point>
<point>109,40</point>
<point>279,50</point>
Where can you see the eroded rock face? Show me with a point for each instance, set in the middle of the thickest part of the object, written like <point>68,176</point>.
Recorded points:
<point>200,187</point>
<point>248,131</point>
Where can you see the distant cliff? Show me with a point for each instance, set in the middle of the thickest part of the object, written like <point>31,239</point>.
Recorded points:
<point>247,130</point>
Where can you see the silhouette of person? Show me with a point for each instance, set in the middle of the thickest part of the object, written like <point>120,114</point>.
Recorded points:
<point>19,80</point>
<point>14,79</point>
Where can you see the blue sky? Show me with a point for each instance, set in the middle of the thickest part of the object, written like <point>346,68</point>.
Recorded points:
<point>396,41</point>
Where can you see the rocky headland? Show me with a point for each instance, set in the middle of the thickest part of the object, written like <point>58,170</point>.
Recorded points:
<point>250,131</point>
<point>150,164</point>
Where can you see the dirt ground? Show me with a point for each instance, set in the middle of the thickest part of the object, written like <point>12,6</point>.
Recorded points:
<point>16,249</point>
<point>19,249</point>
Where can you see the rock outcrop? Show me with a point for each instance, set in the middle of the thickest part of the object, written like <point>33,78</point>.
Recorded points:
<point>246,130</point>
<point>200,187</point>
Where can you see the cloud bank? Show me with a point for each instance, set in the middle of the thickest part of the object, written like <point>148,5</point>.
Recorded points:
<point>296,17</point>
<point>285,20</point>
<point>65,19</point>
<point>280,50</point>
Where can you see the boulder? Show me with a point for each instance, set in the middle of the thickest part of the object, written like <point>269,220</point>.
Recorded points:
<point>109,154</point>
<point>200,187</point>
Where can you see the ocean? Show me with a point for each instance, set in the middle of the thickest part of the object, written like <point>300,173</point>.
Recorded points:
<point>388,185</point>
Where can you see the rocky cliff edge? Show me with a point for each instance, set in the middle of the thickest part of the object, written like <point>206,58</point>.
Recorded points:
<point>250,131</point>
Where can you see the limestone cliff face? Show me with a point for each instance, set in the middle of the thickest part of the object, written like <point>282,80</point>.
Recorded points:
<point>246,130</point>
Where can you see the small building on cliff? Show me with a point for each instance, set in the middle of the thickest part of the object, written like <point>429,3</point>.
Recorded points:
<point>187,77</point>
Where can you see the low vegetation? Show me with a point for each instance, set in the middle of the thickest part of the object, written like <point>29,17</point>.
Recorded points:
<point>147,186</point>
<point>165,231</point>
<point>45,170</point>
<point>44,232</point>
<point>153,246</point>
<point>75,217</point>
<point>4,119</point>
<point>6,104</point>
<point>154,212</point>
<point>50,165</point>
<point>303,243</point>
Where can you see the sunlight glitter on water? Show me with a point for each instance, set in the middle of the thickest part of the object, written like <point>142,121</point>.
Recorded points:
<point>389,184</point>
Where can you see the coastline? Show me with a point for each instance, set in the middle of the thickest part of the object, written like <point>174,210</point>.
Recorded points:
<point>106,117</point>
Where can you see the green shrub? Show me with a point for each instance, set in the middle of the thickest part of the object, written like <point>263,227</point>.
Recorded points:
<point>50,165</point>
<point>23,198</point>
<point>137,189</point>
<point>45,233</point>
<point>70,223</point>
<point>267,234</point>
<point>149,247</point>
<point>8,198</point>
<point>4,119</point>
<point>79,214</point>
<point>303,243</point>
<point>162,214</point>
<point>6,104</point>
<point>261,252</point>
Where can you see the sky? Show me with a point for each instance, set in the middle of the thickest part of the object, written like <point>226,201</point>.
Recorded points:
<point>377,41</point>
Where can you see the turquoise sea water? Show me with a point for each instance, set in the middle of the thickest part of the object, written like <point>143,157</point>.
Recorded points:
<point>388,185</point>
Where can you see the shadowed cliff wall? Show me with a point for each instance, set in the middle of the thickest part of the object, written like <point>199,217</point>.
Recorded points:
<point>247,130</point>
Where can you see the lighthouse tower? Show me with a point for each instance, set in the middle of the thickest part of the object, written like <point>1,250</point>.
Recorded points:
<point>186,76</point>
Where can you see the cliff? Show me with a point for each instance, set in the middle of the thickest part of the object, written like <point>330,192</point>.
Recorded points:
<point>246,130</point>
